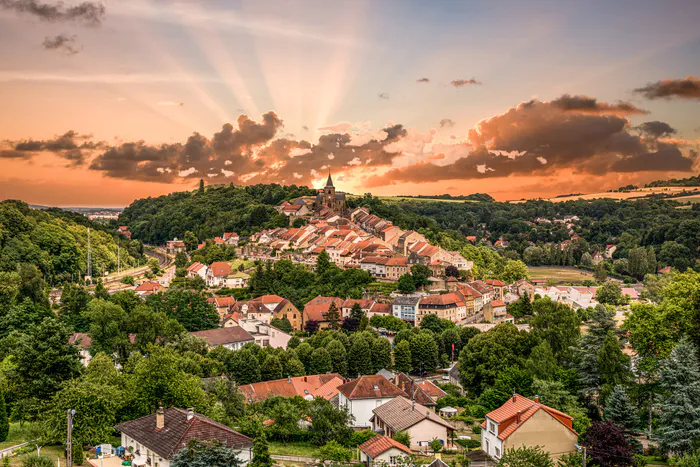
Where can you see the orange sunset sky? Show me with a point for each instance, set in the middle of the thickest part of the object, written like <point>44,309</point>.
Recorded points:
<point>107,101</point>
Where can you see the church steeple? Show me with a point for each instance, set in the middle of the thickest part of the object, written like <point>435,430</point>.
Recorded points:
<point>329,182</point>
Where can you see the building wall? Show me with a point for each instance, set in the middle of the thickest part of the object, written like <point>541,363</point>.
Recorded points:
<point>384,457</point>
<point>292,314</point>
<point>362,409</point>
<point>245,455</point>
<point>490,443</point>
<point>426,431</point>
<point>543,430</point>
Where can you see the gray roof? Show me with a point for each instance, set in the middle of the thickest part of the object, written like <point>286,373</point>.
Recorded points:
<point>387,374</point>
<point>438,463</point>
<point>406,300</point>
<point>399,414</point>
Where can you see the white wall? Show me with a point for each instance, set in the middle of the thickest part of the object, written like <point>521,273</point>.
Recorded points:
<point>383,457</point>
<point>362,409</point>
<point>490,443</point>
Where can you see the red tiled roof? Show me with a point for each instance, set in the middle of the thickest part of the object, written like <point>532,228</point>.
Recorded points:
<point>378,445</point>
<point>325,385</point>
<point>195,267</point>
<point>221,302</point>
<point>381,308</point>
<point>317,308</point>
<point>444,299</point>
<point>507,415</point>
<point>221,269</point>
<point>269,299</point>
<point>370,387</point>
<point>497,303</point>
<point>495,282</point>
<point>431,389</point>
<point>149,286</point>
<point>398,261</point>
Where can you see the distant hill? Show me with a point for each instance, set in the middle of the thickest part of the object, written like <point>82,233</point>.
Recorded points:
<point>55,240</point>
<point>690,181</point>
<point>219,209</point>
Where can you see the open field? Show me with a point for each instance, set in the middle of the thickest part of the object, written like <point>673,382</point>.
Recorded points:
<point>559,274</point>
<point>408,198</point>
<point>688,199</point>
<point>635,194</point>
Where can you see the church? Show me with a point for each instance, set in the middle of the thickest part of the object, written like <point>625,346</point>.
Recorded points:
<point>327,197</point>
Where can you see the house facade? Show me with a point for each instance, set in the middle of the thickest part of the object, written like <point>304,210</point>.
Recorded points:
<point>383,451</point>
<point>362,395</point>
<point>422,424</point>
<point>405,308</point>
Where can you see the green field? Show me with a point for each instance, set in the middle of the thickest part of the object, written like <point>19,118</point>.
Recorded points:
<point>298,448</point>
<point>559,274</point>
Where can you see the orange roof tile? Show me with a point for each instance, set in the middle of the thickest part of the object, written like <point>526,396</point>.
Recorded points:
<point>379,444</point>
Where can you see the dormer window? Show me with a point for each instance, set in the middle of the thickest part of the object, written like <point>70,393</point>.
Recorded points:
<point>492,427</point>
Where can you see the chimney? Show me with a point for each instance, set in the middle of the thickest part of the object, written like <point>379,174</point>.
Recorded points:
<point>190,414</point>
<point>289,379</point>
<point>160,418</point>
<point>537,399</point>
<point>305,380</point>
<point>517,418</point>
<point>515,397</point>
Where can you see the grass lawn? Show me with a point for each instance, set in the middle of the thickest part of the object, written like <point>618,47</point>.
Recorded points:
<point>559,274</point>
<point>17,435</point>
<point>299,448</point>
<point>52,452</point>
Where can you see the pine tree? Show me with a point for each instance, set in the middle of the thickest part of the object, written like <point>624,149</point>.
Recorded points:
<point>402,357</point>
<point>332,316</point>
<point>261,452</point>
<point>601,323</point>
<point>680,411</point>
<point>619,409</point>
<point>613,365</point>
<point>4,422</point>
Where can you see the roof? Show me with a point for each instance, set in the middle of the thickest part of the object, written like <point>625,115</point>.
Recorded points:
<point>221,302</point>
<point>370,387</point>
<point>444,299</point>
<point>316,308</point>
<point>431,389</point>
<point>381,308</point>
<point>270,299</point>
<point>221,336</point>
<point>414,390</point>
<point>406,300</point>
<point>329,182</point>
<point>178,431</point>
<point>400,414</point>
<point>378,445</point>
<point>438,463</point>
<point>149,286</point>
<point>325,385</point>
<point>220,269</point>
<point>495,303</point>
<point>195,267</point>
<point>506,415</point>
<point>80,339</point>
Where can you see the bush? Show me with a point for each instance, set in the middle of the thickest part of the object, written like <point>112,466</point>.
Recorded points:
<point>404,438</point>
<point>334,451</point>
<point>128,280</point>
<point>477,411</point>
<point>476,428</point>
<point>35,461</point>
<point>360,437</point>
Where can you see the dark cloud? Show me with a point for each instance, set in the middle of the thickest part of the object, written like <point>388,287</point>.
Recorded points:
<point>446,123</point>
<point>249,153</point>
<point>70,146</point>
<point>423,80</point>
<point>542,137</point>
<point>688,88</point>
<point>14,154</point>
<point>458,83</point>
<point>591,105</point>
<point>383,95</point>
<point>87,12</point>
<point>656,129</point>
<point>61,43</point>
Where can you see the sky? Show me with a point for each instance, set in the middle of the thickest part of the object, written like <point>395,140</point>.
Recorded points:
<point>104,102</point>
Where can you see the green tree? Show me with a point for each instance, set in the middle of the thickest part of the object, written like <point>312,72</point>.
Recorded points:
<point>542,364</point>
<point>421,273</point>
<point>328,423</point>
<point>586,260</point>
<point>271,368</point>
<point>403,437</point>
<point>651,260</point>
<point>4,421</point>
<point>245,368</point>
<point>180,260</point>
<point>402,357</point>
<point>261,451</point>
<point>613,366</point>
<point>381,353</point>
<point>557,324</point>
<point>333,316</point>
<point>189,308</point>
<point>637,258</point>
<point>609,293</point>
<point>74,300</point>
<point>101,291</point>
<point>424,351</point>
<point>36,461</point>
<point>304,351</point>
<point>451,337</point>
<point>206,454</point>
<point>282,324</point>
<point>619,409</point>
<point>334,451</point>
<point>680,414</point>
<point>433,323</point>
<point>526,456</point>
<point>360,358</point>
<point>513,271</point>
<point>323,263</point>
<point>108,328</point>
<point>599,272</point>
<point>435,445</point>
<point>339,357</point>
<point>190,240</point>
<point>320,362</point>
<point>293,367</point>
<point>406,284</point>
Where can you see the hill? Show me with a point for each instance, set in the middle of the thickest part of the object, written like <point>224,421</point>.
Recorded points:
<point>55,241</point>
<point>209,213</point>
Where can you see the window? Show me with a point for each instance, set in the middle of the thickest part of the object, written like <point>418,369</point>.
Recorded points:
<point>497,452</point>
<point>392,460</point>
<point>492,428</point>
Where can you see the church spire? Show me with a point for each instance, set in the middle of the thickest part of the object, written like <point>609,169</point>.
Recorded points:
<point>329,182</point>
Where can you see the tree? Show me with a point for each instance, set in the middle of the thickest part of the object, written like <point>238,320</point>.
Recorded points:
<point>329,423</point>
<point>435,445</point>
<point>381,353</point>
<point>271,368</point>
<point>293,367</point>
<point>680,413</point>
<point>613,366</point>
<point>4,422</point>
<point>609,293</point>
<point>323,263</point>
<point>424,352</point>
<point>637,258</point>
<point>36,461</point>
<point>586,260</point>
<point>513,271</point>
<point>406,284</point>
<point>526,456</point>
<point>450,337</point>
<point>556,323</point>
<point>421,273</point>
<point>334,451</point>
<point>360,358</point>
<point>403,437</point>
<point>339,357</point>
<point>311,326</point>
<point>451,271</point>
<point>206,454</point>
<point>619,409</point>
<point>402,357</point>
<point>180,260</point>
<point>246,368</point>
<point>189,308</point>
<point>599,272</point>
<point>651,260</point>
<point>542,364</point>
<point>433,322</point>
<point>320,362</point>
<point>600,325</point>
<point>108,328</point>
<point>128,280</point>
<point>607,445</point>
<point>190,240</point>
<point>261,451</point>
<point>282,324</point>
<point>333,316</point>
<point>304,351</point>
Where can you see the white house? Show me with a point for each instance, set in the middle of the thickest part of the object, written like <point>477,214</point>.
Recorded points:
<point>197,269</point>
<point>264,334</point>
<point>405,308</point>
<point>382,450</point>
<point>232,338</point>
<point>217,273</point>
<point>364,394</point>
<point>155,439</point>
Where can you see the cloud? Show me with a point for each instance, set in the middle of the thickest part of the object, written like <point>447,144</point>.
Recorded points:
<point>458,83</point>
<point>688,88</point>
<point>383,95</point>
<point>70,146</point>
<point>88,12</point>
<point>656,129</point>
<point>540,138</point>
<point>446,123</point>
<point>423,80</point>
<point>591,105</point>
<point>61,43</point>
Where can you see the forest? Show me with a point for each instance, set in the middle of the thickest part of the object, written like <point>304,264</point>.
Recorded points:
<point>55,242</point>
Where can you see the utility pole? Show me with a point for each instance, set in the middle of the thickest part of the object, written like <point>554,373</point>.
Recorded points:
<point>69,437</point>
<point>89,258</point>
<point>584,456</point>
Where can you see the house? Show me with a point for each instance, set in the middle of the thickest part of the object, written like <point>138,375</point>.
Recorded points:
<point>525,422</point>
<point>124,230</point>
<point>175,246</point>
<point>149,288</point>
<point>316,309</point>
<point>197,269</point>
<point>237,280</point>
<point>156,438</point>
<point>382,450</point>
<point>264,334</point>
<point>223,305</point>
<point>495,312</point>
<point>218,273</point>
<point>422,424</point>
<point>630,293</point>
<point>405,308</point>
<point>448,306</point>
<point>521,287</point>
<point>83,341</point>
<point>498,287</point>
<point>233,338</point>
<point>347,305</point>
<point>286,309</point>
<point>231,238</point>
<point>308,387</point>
<point>424,393</point>
<point>396,267</point>
<point>381,309</point>
<point>362,395</point>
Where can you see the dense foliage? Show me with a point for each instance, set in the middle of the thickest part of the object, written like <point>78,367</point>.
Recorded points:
<point>218,209</point>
